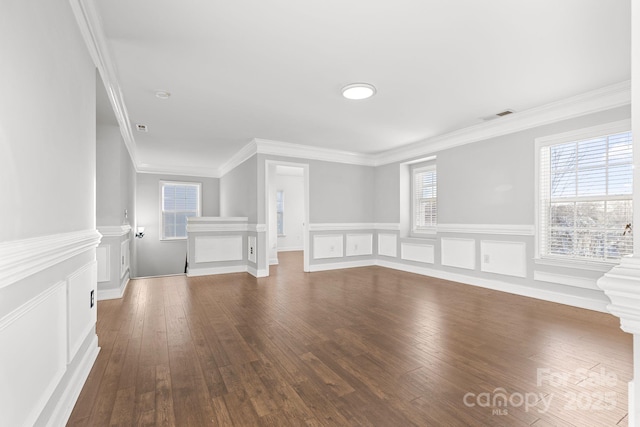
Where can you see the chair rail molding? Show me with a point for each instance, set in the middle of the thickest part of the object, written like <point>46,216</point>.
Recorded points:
<point>23,258</point>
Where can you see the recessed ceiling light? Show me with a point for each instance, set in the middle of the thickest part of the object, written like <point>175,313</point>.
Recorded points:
<point>163,94</point>
<point>358,91</point>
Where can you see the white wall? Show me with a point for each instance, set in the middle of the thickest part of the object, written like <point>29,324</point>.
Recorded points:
<point>157,257</point>
<point>48,237</point>
<point>293,188</point>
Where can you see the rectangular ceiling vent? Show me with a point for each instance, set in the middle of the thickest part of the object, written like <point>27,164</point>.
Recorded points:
<point>498,115</point>
<point>141,128</point>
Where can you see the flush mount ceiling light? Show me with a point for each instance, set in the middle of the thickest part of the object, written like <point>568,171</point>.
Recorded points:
<point>358,91</point>
<point>162,94</point>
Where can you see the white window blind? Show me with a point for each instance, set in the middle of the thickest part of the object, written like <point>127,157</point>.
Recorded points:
<point>425,201</point>
<point>585,198</point>
<point>280,211</point>
<point>179,201</point>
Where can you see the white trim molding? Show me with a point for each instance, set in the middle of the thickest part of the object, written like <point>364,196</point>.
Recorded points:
<point>23,258</point>
<point>503,229</point>
<point>340,265</point>
<point>621,286</point>
<point>563,279</point>
<point>106,294</point>
<point>350,226</point>
<point>114,230</point>
<point>89,23</point>
<point>578,264</point>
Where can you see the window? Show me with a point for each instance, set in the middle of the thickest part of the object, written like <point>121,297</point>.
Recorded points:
<point>585,191</point>
<point>280,211</point>
<point>425,202</point>
<point>179,201</point>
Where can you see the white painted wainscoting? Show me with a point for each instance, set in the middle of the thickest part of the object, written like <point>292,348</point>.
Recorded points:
<point>219,245</point>
<point>48,314</point>
<point>495,256</point>
<point>114,261</point>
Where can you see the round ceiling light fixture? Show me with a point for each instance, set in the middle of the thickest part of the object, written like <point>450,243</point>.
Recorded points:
<point>162,94</point>
<point>358,91</point>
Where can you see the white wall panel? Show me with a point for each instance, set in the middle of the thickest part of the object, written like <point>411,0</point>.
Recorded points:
<point>32,356</point>
<point>81,316</point>
<point>459,253</point>
<point>388,244</point>
<point>327,246</point>
<point>251,248</point>
<point>218,248</point>
<point>124,257</point>
<point>417,252</point>
<point>359,244</point>
<point>103,257</point>
<point>508,258</point>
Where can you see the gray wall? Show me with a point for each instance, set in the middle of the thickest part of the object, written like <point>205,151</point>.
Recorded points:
<point>115,179</point>
<point>47,182</point>
<point>156,257</point>
<point>487,182</point>
<point>239,191</point>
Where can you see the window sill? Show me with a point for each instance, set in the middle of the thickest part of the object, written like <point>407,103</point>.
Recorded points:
<point>177,239</point>
<point>428,232</point>
<point>602,266</point>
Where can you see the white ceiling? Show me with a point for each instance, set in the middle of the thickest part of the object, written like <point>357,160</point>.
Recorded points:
<point>245,69</point>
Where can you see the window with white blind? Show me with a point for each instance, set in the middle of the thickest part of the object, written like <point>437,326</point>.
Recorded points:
<point>585,192</point>
<point>178,201</point>
<point>425,201</point>
<point>280,211</point>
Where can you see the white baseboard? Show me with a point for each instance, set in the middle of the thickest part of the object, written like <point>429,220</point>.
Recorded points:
<point>273,261</point>
<point>339,265</point>
<point>257,273</point>
<point>291,249</point>
<point>105,294</point>
<point>64,406</point>
<point>497,285</point>
<point>207,271</point>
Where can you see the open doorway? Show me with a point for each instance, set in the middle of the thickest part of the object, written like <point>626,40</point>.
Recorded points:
<point>287,211</point>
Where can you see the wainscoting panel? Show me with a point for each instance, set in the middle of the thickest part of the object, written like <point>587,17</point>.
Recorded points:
<point>417,252</point>
<point>459,253</point>
<point>103,257</point>
<point>578,282</point>
<point>218,248</point>
<point>328,246</point>
<point>508,258</point>
<point>359,244</point>
<point>33,355</point>
<point>124,257</point>
<point>388,244</point>
<point>81,316</point>
<point>251,249</point>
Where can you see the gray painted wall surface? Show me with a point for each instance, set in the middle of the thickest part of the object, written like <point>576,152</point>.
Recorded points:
<point>47,141</point>
<point>487,182</point>
<point>239,191</point>
<point>156,257</point>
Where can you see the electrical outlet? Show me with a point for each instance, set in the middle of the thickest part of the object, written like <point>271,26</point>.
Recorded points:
<point>93,299</point>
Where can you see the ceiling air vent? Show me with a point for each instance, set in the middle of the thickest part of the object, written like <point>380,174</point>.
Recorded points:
<point>141,128</point>
<point>498,115</point>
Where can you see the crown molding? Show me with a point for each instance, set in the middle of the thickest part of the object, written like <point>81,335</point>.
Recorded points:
<point>243,154</point>
<point>198,172</point>
<point>90,25</point>
<point>602,99</point>
<point>287,149</point>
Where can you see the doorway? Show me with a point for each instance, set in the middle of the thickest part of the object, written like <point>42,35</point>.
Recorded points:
<point>287,210</point>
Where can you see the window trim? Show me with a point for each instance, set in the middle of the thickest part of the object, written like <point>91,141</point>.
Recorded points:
<point>161,222</point>
<point>413,170</point>
<point>611,128</point>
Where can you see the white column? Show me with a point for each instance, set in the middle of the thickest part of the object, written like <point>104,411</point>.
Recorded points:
<point>622,283</point>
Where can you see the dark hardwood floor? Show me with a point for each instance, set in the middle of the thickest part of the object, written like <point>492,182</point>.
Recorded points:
<point>364,346</point>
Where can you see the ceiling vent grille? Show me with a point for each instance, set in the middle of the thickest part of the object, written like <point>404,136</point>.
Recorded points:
<point>142,128</point>
<point>498,115</point>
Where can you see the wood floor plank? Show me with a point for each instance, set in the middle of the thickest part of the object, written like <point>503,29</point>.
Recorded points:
<point>364,346</point>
